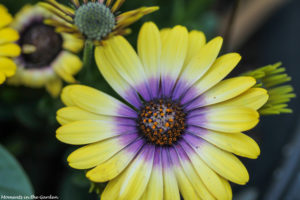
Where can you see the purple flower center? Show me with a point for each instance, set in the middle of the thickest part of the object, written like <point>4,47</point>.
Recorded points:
<point>162,121</point>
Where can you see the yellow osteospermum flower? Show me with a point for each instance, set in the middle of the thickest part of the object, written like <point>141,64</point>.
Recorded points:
<point>94,20</point>
<point>8,49</point>
<point>47,56</point>
<point>182,128</point>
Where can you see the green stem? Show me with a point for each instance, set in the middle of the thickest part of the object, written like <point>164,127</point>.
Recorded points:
<point>87,59</point>
<point>88,53</point>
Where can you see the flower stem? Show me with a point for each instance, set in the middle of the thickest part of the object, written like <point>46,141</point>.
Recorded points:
<point>88,52</point>
<point>87,60</point>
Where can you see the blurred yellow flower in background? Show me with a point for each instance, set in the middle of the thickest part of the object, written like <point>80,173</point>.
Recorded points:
<point>47,57</point>
<point>8,49</point>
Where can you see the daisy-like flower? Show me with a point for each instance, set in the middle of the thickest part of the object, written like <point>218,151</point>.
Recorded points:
<point>8,49</point>
<point>181,127</point>
<point>273,78</point>
<point>94,20</point>
<point>47,56</point>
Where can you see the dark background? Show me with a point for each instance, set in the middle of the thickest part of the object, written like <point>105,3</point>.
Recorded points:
<point>27,116</point>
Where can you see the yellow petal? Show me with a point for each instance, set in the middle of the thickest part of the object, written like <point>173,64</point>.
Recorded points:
<point>149,48</point>
<point>2,77</point>
<point>88,131</point>
<point>92,100</point>
<point>54,87</point>
<point>72,43</point>
<point>174,50</point>
<point>125,60</point>
<point>66,96</point>
<point>112,76</point>
<point>222,162</point>
<point>194,178</point>
<point>253,98</point>
<point>238,143</point>
<point>209,178</point>
<point>137,175</point>
<point>228,188</point>
<point>221,67</point>
<point>66,65</point>
<point>7,67</point>
<point>187,187</point>
<point>196,41</point>
<point>133,181</point>
<point>8,35</point>
<point>94,154</point>
<point>115,165</point>
<point>164,34</point>
<point>10,50</point>
<point>226,119</point>
<point>198,65</point>
<point>227,89</point>
<point>171,190</point>
<point>5,17</point>
<point>155,188</point>
<point>71,114</point>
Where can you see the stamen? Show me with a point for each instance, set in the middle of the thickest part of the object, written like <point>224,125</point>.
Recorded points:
<point>162,122</point>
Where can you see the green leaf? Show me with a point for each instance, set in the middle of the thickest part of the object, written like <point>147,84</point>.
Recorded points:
<point>14,181</point>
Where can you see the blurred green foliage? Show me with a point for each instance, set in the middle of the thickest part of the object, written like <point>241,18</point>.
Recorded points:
<point>16,181</point>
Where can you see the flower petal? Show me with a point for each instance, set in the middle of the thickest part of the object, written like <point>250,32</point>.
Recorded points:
<point>149,50</point>
<point>2,77</point>
<point>8,35</point>
<point>125,61</point>
<point>173,56</point>
<point>229,119</point>
<point>5,17</point>
<point>196,41</point>
<point>95,101</point>
<point>72,43</point>
<point>90,131</point>
<point>10,50</point>
<point>185,187</point>
<point>198,66</point>
<point>226,89</point>
<point>54,87</point>
<point>7,66</point>
<point>237,143</point>
<point>132,183</point>
<point>211,180</point>
<point>222,162</point>
<point>67,65</point>
<point>221,67</point>
<point>171,191</point>
<point>253,98</point>
<point>113,77</point>
<point>228,188</point>
<point>155,187</point>
<point>71,114</point>
<point>116,164</point>
<point>94,154</point>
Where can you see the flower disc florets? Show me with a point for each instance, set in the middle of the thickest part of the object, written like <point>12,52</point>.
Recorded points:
<point>46,44</point>
<point>162,122</point>
<point>94,20</point>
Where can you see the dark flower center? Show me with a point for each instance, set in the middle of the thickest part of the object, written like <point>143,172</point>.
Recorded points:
<point>94,20</point>
<point>40,45</point>
<point>162,122</point>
